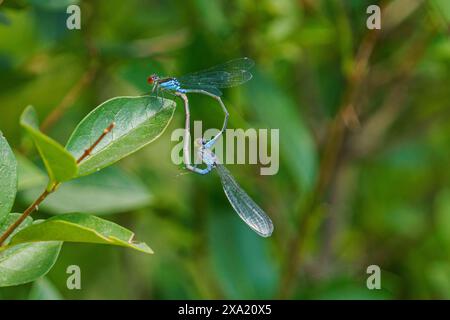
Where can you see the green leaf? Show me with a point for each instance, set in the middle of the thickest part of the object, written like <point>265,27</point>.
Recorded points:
<point>60,164</point>
<point>28,261</point>
<point>29,175</point>
<point>43,289</point>
<point>138,121</point>
<point>109,191</point>
<point>9,220</point>
<point>79,227</point>
<point>8,178</point>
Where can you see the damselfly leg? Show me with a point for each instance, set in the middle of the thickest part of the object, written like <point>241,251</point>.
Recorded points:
<point>222,105</point>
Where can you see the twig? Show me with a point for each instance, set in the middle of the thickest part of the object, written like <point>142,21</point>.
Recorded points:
<point>347,117</point>
<point>88,151</point>
<point>377,126</point>
<point>48,191</point>
<point>69,98</point>
<point>24,215</point>
<point>332,150</point>
<point>86,78</point>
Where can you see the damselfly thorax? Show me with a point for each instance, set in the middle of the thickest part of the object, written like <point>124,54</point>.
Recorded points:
<point>170,84</point>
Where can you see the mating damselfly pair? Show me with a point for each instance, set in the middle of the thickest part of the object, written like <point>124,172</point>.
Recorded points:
<point>209,82</point>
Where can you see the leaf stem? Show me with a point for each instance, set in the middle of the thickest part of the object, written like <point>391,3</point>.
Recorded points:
<point>32,207</point>
<point>88,151</point>
<point>24,215</point>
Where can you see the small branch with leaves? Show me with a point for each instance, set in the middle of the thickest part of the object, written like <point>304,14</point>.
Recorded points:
<point>32,207</point>
<point>43,240</point>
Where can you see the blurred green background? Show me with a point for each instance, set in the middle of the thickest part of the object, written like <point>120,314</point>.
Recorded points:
<point>364,145</point>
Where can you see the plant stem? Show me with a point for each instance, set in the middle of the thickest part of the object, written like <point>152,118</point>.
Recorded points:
<point>88,151</point>
<point>32,207</point>
<point>86,79</point>
<point>346,118</point>
<point>69,98</point>
<point>24,215</point>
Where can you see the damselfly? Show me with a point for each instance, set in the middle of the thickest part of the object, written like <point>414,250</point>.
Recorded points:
<point>241,202</point>
<point>208,82</point>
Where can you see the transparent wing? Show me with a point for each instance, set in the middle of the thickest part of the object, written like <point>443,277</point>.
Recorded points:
<point>245,207</point>
<point>229,74</point>
<point>201,86</point>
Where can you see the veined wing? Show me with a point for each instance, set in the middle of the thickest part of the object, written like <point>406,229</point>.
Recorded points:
<point>229,74</point>
<point>206,87</point>
<point>245,207</point>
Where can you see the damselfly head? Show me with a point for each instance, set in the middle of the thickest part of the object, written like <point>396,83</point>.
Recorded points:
<point>152,79</point>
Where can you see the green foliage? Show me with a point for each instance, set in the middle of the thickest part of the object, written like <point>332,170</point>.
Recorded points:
<point>29,175</point>
<point>138,121</point>
<point>9,219</point>
<point>109,191</point>
<point>79,227</point>
<point>384,185</point>
<point>60,164</point>
<point>32,249</point>
<point>53,4</point>
<point>273,107</point>
<point>28,261</point>
<point>443,7</point>
<point>43,289</point>
<point>240,259</point>
<point>8,178</point>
